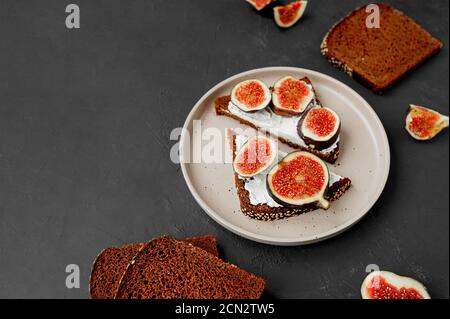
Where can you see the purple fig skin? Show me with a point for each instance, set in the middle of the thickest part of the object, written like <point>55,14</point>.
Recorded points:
<point>257,108</point>
<point>318,145</point>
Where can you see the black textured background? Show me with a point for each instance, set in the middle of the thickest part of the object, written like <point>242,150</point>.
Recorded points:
<point>85,118</point>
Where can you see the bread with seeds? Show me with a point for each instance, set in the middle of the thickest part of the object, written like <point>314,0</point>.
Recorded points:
<point>378,57</point>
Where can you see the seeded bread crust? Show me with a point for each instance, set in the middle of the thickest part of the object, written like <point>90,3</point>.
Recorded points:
<point>221,107</point>
<point>111,263</point>
<point>169,269</point>
<point>378,58</point>
<point>266,213</point>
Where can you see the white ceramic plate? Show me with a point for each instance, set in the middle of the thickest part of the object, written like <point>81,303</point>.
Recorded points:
<point>364,158</point>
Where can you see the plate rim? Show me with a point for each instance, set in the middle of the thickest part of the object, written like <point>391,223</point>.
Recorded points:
<point>270,240</point>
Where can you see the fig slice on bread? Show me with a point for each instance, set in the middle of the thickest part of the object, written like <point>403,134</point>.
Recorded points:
<point>319,127</point>
<point>291,97</point>
<point>257,155</point>
<point>387,285</point>
<point>300,179</point>
<point>423,123</point>
<point>251,95</point>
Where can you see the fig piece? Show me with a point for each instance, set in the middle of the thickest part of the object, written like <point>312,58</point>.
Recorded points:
<point>423,123</point>
<point>299,179</point>
<point>387,285</point>
<point>251,95</point>
<point>260,4</point>
<point>255,156</point>
<point>288,15</point>
<point>319,127</point>
<point>291,97</point>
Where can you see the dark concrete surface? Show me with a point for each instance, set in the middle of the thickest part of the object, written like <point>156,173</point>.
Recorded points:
<point>85,118</point>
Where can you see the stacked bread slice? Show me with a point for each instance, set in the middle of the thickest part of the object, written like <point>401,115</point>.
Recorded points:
<point>165,268</point>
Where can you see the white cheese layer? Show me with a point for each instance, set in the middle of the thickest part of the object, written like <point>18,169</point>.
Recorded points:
<point>279,126</point>
<point>256,185</point>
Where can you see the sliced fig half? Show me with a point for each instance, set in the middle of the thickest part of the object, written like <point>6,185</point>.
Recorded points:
<point>288,15</point>
<point>319,127</point>
<point>387,285</point>
<point>423,123</point>
<point>291,97</point>
<point>299,179</point>
<point>255,156</point>
<point>260,4</point>
<point>251,95</point>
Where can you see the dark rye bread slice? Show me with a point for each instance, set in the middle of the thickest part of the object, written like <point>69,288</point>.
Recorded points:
<point>378,57</point>
<point>266,213</point>
<point>169,269</point>
<point>111,263</point>
<point>221,106</point>
<point>207,243</point>
<point>108,268</point>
